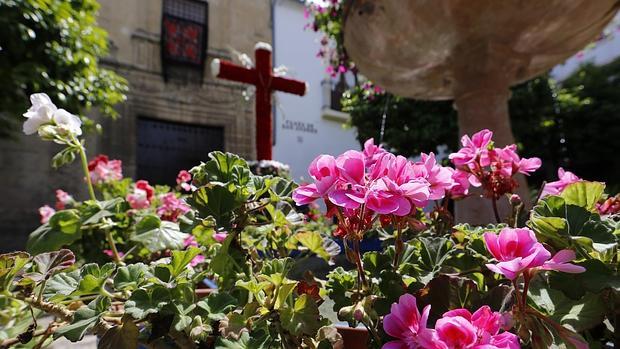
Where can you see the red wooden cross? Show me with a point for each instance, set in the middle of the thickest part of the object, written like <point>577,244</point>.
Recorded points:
<point>262,77</point>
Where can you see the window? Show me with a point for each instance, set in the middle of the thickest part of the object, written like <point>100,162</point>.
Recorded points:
<point>332,94</point>
<point>184,33</point>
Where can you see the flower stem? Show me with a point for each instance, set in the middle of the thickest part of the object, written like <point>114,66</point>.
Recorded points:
<point>115,255</point>
<point>398,245</point>
<point>80,146</point>
<point>495,211</point>
<point>358,263</point>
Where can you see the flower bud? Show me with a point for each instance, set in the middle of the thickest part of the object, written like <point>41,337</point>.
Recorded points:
<point>515,199</point>
<point>47,132</point>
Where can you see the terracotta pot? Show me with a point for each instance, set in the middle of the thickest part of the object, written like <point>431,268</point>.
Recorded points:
<point>354,338</point>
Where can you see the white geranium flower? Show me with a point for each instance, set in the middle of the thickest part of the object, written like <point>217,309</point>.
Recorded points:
<point>68,122</point>
<point>39,113</point>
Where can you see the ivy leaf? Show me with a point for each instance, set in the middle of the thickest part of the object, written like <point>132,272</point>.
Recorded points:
<point>217,305</point>
<point>49,263</point>
<point>84,319</point>
<point>157,235</point>
<point>123,336</point>
<point>130,277</point>
<point>62,229</point>
<point>143,302</point>
<point>302,318</point>
<point>10,265</point>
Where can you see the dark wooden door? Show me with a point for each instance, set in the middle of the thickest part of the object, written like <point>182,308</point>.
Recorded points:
<point>165,148</point>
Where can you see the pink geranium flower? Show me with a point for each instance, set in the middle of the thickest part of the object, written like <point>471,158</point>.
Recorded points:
<point>518,250</point>
<point>104,170</point>
<point>184,180</point>
<point>63,199</point>
<point>474,148</point>
<point>439,177</point>
<point>171,207</point>
<point>490,167</point>
<point>220,236</point>
<point>405,323</point>
<point>141,196</point>
<point>564,179</point>
<point>190,241</point>
<point>456,329</point>
<point>45,213</point>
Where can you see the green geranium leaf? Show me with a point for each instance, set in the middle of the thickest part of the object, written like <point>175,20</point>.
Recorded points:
<point>157,235</point>
<point>313,241</point>
<point>84,319</point>
<point>579,315</point>
<point>218,201</point>
<point>93,277</point>
<point>561,225</point>
<point>339,282</point>
<point>223,168</point>
<point>143,302</point>
<point>123,336</point>
<point>95,211</point>
<point>302,318</point>
<point>180,260</point>
<point>447,292</point>
<point>62,284</point>
<point>596,278</point>
<point>49,263</point>
<point>583,194</point>
<point>130,277</point>
<point>10,265</point>
<point>217,305</point>
<point>242,343</point>
<point>62,229</point>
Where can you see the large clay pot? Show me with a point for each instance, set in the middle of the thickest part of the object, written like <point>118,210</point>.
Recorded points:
<point>353,338</point>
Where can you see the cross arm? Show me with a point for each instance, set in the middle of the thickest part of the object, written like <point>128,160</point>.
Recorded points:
<point>288,85</point>
<point>230,71</point>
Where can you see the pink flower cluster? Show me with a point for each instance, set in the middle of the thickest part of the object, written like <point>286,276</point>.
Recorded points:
<point>63,199</point>
<point>518,251</point>
<point>190,241</point>
<point>45,213</point>
<point>492,168</point>
<point>104,170</point>
<point>184,181</point>
<point>564,179</point>
<point>141,196</point>
<point>375,181</point>
<point>171,207</point>
<point>610,206</point>
<point>457,329</point>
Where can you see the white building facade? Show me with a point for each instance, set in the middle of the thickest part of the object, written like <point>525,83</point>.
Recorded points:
<point>304,126</point>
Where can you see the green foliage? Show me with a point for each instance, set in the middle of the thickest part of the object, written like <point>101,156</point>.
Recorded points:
<point>157,235</point>
<point>411,126</point>
<point>54,46</point>
<point>568,221</point>
<point>548,120</point>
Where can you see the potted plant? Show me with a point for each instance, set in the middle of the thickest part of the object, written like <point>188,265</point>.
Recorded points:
<point>543,278</point>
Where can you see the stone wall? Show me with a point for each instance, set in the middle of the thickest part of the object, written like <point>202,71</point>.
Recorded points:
<point>134,33</point>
